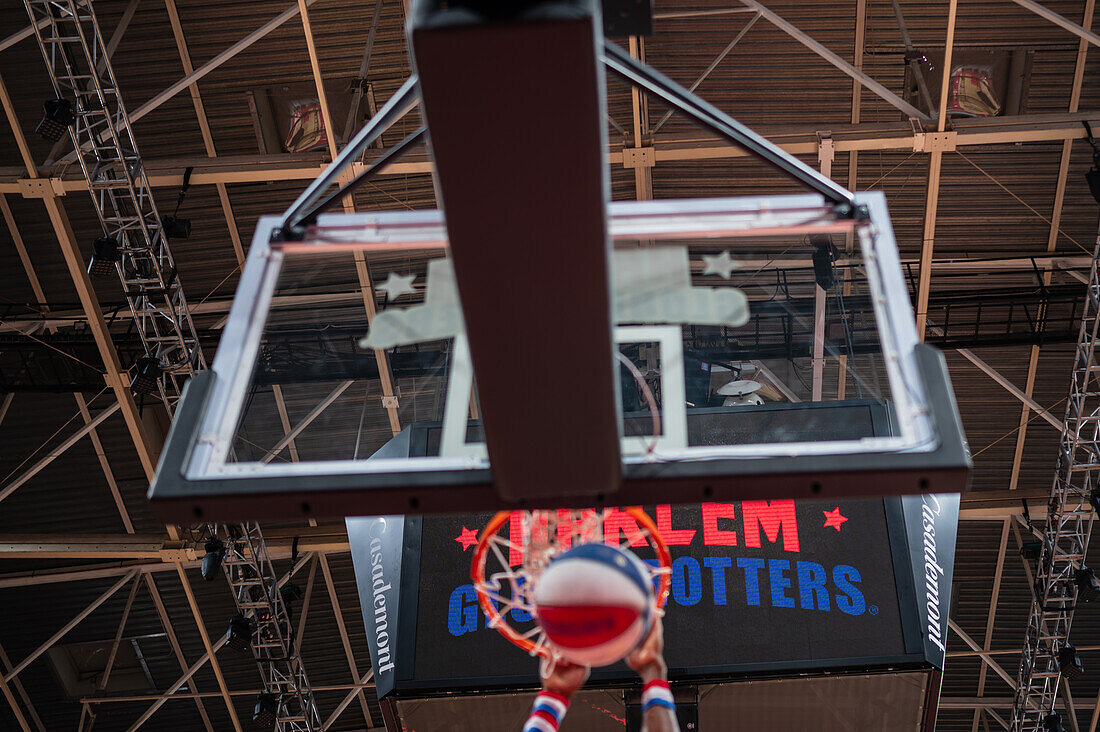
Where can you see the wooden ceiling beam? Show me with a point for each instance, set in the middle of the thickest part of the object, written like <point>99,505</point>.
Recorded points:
<point>362,270</point>
<point>676,148</point>
<point>1052,245</point>
<point>204,128</point>
<point>935,164</point>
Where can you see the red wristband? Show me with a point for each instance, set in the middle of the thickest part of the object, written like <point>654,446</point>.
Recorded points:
<point>659,683</point>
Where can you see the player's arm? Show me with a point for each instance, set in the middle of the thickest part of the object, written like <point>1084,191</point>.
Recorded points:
<point>552,703</point>
<point>658,709</point>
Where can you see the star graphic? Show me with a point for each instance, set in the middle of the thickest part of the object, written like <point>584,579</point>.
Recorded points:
<point>833,518</point>
<point>467,538</point>
<point>719,264</point>
<point>397,285</point>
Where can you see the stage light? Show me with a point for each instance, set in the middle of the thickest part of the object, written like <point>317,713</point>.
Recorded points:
<point>55,123</point>
<point>1088,587</point>
<point>1069,662</point>
<point>741,393</point>
<point>1093,176</point>
<point>147,373</point>
<point>290,593</point>
<point>105,255</point>
<point>176,227</point>
<point>212,560</point>
<point>1052,722</point>
<point>1094,499</point>
<point>823,261</point>
<point>240,633</point>
<point>267,709</point>
<point>1031,549</point>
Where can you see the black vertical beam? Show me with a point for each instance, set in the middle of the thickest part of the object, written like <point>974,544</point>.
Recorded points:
<point>515,112</point>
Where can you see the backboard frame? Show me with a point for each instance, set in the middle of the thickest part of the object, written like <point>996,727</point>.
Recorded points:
<point>196,479</point>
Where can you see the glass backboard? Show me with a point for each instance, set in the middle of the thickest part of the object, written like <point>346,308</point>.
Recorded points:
<point>764,348</point>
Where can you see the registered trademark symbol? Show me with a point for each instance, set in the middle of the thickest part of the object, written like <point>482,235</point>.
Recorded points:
<point>873,609</point>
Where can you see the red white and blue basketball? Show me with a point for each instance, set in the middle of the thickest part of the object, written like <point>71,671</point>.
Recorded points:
<point>595,603</point>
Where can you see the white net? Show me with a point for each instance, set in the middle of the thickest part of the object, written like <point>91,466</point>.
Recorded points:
<point>519,546</point>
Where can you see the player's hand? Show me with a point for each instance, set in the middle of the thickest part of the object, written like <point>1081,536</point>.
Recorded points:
<point>564,677</point>
<point>648,659</point>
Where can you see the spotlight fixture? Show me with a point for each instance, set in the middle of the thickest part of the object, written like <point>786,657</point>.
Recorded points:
<point>1052,722</point>
<point>823,261</point>
<point>147,373</point>
<point>240,633</point>
<point>1094,499</point>
<point>1031,549</point>
<point>290,593</point>
<point>1069,662</point>
<point>212,560</point>
<point>56,121</point>
<point>267,708</point>
<point>1093,176</point>
<point>176,227</point>
<point>105,255</point>
<point>1088,586</point>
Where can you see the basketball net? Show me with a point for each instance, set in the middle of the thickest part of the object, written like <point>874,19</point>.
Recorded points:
<point>505,588</point>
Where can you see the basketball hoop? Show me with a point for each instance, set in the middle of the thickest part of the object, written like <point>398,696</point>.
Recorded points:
<point>545,535</point>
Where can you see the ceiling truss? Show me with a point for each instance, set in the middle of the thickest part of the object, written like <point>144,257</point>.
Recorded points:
<point>221,172</point>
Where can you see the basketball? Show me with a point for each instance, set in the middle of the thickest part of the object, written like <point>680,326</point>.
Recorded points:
<point>595,603</point>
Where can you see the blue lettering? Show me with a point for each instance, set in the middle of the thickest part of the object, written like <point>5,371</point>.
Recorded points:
<point>718,567</point>
<point>687,581</point>
<point>752,569</point>
<point>656,564</point>
<point>519,614</point>
<point>811,583</point>
<point>851,601</point>
<point>780,582</point>
<point>462,611</point>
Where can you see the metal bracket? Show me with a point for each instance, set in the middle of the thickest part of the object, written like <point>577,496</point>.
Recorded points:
<point>177,551</point>
<point>389,402</point>
<point>639,157</point>
<point>935,141</point>
<point>826,149</point>
<point>41,187</point>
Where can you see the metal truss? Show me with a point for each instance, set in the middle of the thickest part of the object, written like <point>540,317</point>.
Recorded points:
<point>76,57</point>
<point>267,608</point>
<point>1069,524</point>
<point>77,61</point>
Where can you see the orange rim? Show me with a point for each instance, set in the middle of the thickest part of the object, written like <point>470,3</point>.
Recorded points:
<point>497,621</point>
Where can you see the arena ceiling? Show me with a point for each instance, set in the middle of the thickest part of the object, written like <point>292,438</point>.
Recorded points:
<point>993,208</point>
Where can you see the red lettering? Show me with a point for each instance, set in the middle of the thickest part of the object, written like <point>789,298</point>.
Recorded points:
<point>673,537</point>
<point>570,524</point>
<point>615,521</point>
<point>774,517</point>
<point>517,540</point>
<point>712,535</point>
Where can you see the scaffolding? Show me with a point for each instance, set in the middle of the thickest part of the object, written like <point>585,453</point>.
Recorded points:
<point>1048,657</point>
<point>77,61</point>
<point>267,609</point>
<point>89,103</point>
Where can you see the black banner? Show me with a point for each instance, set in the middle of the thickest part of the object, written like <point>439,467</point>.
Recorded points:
<point>756,586</point>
